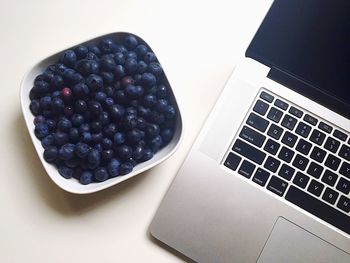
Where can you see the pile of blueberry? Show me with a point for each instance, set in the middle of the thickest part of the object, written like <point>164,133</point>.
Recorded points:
<point>101,109</point>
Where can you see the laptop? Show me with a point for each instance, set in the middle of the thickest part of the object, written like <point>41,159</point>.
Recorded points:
<point>268,178</point>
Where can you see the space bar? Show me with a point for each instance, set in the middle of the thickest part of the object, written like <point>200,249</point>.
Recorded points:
<point>318,208</point>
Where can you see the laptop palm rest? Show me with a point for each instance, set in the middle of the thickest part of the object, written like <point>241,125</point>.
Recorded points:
<point>289,243</point>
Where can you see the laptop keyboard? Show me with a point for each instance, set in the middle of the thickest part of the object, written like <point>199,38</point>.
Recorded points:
<point>297,156</point>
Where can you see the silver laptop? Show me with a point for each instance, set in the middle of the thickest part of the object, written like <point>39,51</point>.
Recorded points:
<point>268,178</point>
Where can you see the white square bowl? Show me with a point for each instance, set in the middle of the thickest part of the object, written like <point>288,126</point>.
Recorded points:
<point>72,185</point>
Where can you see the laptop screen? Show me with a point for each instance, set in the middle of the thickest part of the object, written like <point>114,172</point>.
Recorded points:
<point>310,41</point>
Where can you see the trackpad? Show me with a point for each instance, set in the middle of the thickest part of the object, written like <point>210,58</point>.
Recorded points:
<point>289,243</point>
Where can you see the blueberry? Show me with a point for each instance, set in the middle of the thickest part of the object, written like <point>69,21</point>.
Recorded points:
<point>119,58</point>
<point>95,127</point>
<point>33,95</point>
<point>155,68</point>
<point>137,153</point>
<point>107,77</point>
<point>100,96</point>
<point>57,105</point>
<point>95,108</point>
<point>157,117</point>
<point>170,112</point>
<point>107,155</point>
<point>113,167</point>
<point>137,78</point>
<point>34,107</point>
<point>148,79</point>
<point>80,106</point>
<point>149,57</point>
<point>155,143</point>
<point>96,138</point>
<point>77,120</point>
<point>121,97</point>
<point>124,151</point>
<point>57,81</point>
<point>108,102</point>
<point>61,138</point>
<point>38,119</point>
<point>41,130</point>
<point>106,143</point>
<point>94,82</point>
<point>130,42</point>
<point>80,90</point>
<point>131,111</point>
<point>129,122</point>
<point>82,150</point>
<point>162,105</point>
<point>162,92</point>
<point>41,86</point>
<point>60,68</point>
<point>81,51</point>
<point>131,91</point>
<point>69,76</point>
<point>91,56</point>
<point>65,171</point>
<point>98,147</point>
<point>141,123</point>
<point>141,67</point>
<point>86,137</point>
<point>120,48</point>
<point>46,76</point>
<point>107,46</point>
<point>119,138</point>
<point>101,174</point>
<point>116,111</point>
<point>109,90</point>
<point>127,80</point>
<point>94,156</point>
<point>134,136</point>
<point>141,50</point>
<point>110,130</point>
<point>152,130</point>
<point>104,118</point>
<point>143,111</point>
<point>47,114</point>
<point>69,58</point>
<point>131,65</point>
<point>50,154</point>
<point>85,127</point>
<point>125,168</point>
<point>147,155</point>
<point>131,54</point>
<point>73,135</point>
<point>107,64</point>
<point>149,100</point>
<point>45,102</point>
<point>94,49</point>
<point>86,177</point>
<point>64,125</point>
<point>68,111</point>
<point>66,152</point>
<point>72,163</point>
<point>48,141</point>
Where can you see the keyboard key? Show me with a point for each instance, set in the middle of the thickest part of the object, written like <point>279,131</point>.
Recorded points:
<point>249,151</point>
<point>315,188</point>
<point>289,139</point>
<point>274,114</point>
<point>332,162</point>
<point>286,154</point>
<point>344,204</point>
<point>277,185</point>
<point>232,161</point>
<point>265,96</point>
<point>300,162</point>
<point>261,107</point>
<point>275,131</point>
<point>325,127</point>
<point>281,104</point>
<point>261,176</point>
<point>318,154</point>
<point>289,122</point>
<point>246,169</point>
<point>303,146</point>
<point>301,179</point>
<point>303,129</point>
<point>252,136</point>
<point>271,146</point>
<point>317,137</point>
<point>343,185</point>
<point>330,196</point>
<point>340,135</point>
<point>319,208</point>
<point>286,172</point>
<point>257,122</point>
<point>311,120</point>
<point>315,170</point>
<point>296,112</point>
<point>329,178</point>
<point>332,144</point>
<point>345,169</point>
<point>345,152</point>
<point>272,164</point>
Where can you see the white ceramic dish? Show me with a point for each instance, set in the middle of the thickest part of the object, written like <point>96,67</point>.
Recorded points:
<point>72,185</point>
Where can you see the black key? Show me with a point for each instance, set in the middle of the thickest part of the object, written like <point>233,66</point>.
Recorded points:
<point>246,169</point>
<point>315,188</point>
<point>232,161</point>
<point>300,162</point>
<point>275,131</point>
<point>277,185</point>
<point>329,178</point>
<point>343,185</point>
<point>330,196</point>
<point>261,176</point>
<point>286,154</point>
<point>274,114</point>
<point>345,152</point>
<point>332,162</point>
<point>340,135</point>
<point>272,164</point>
<point>289,122</point>
<point>261,107</point>
<point>344,204</point>
<point>252,136</point>
<point>301,179</point>
<point>303,146</point>
<point>296,112</point>
<point>317,137</point>
<point>325,127</point>
<point>249,151</point>
<point>345,169</point>
<point>319,208</point>
<point>271,146</point>
<point>289,139</point>
<point>318,154</point>
<point>315,170</point>
<point>266,96</point>
<point>281,104</point>
<point>331,144</point>
<point>303,129</point>
<point>257,122</point>
<point>286,172</point>
<point>309,119</point>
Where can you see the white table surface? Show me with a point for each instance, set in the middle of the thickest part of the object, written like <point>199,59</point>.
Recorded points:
<point>198,42</point>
